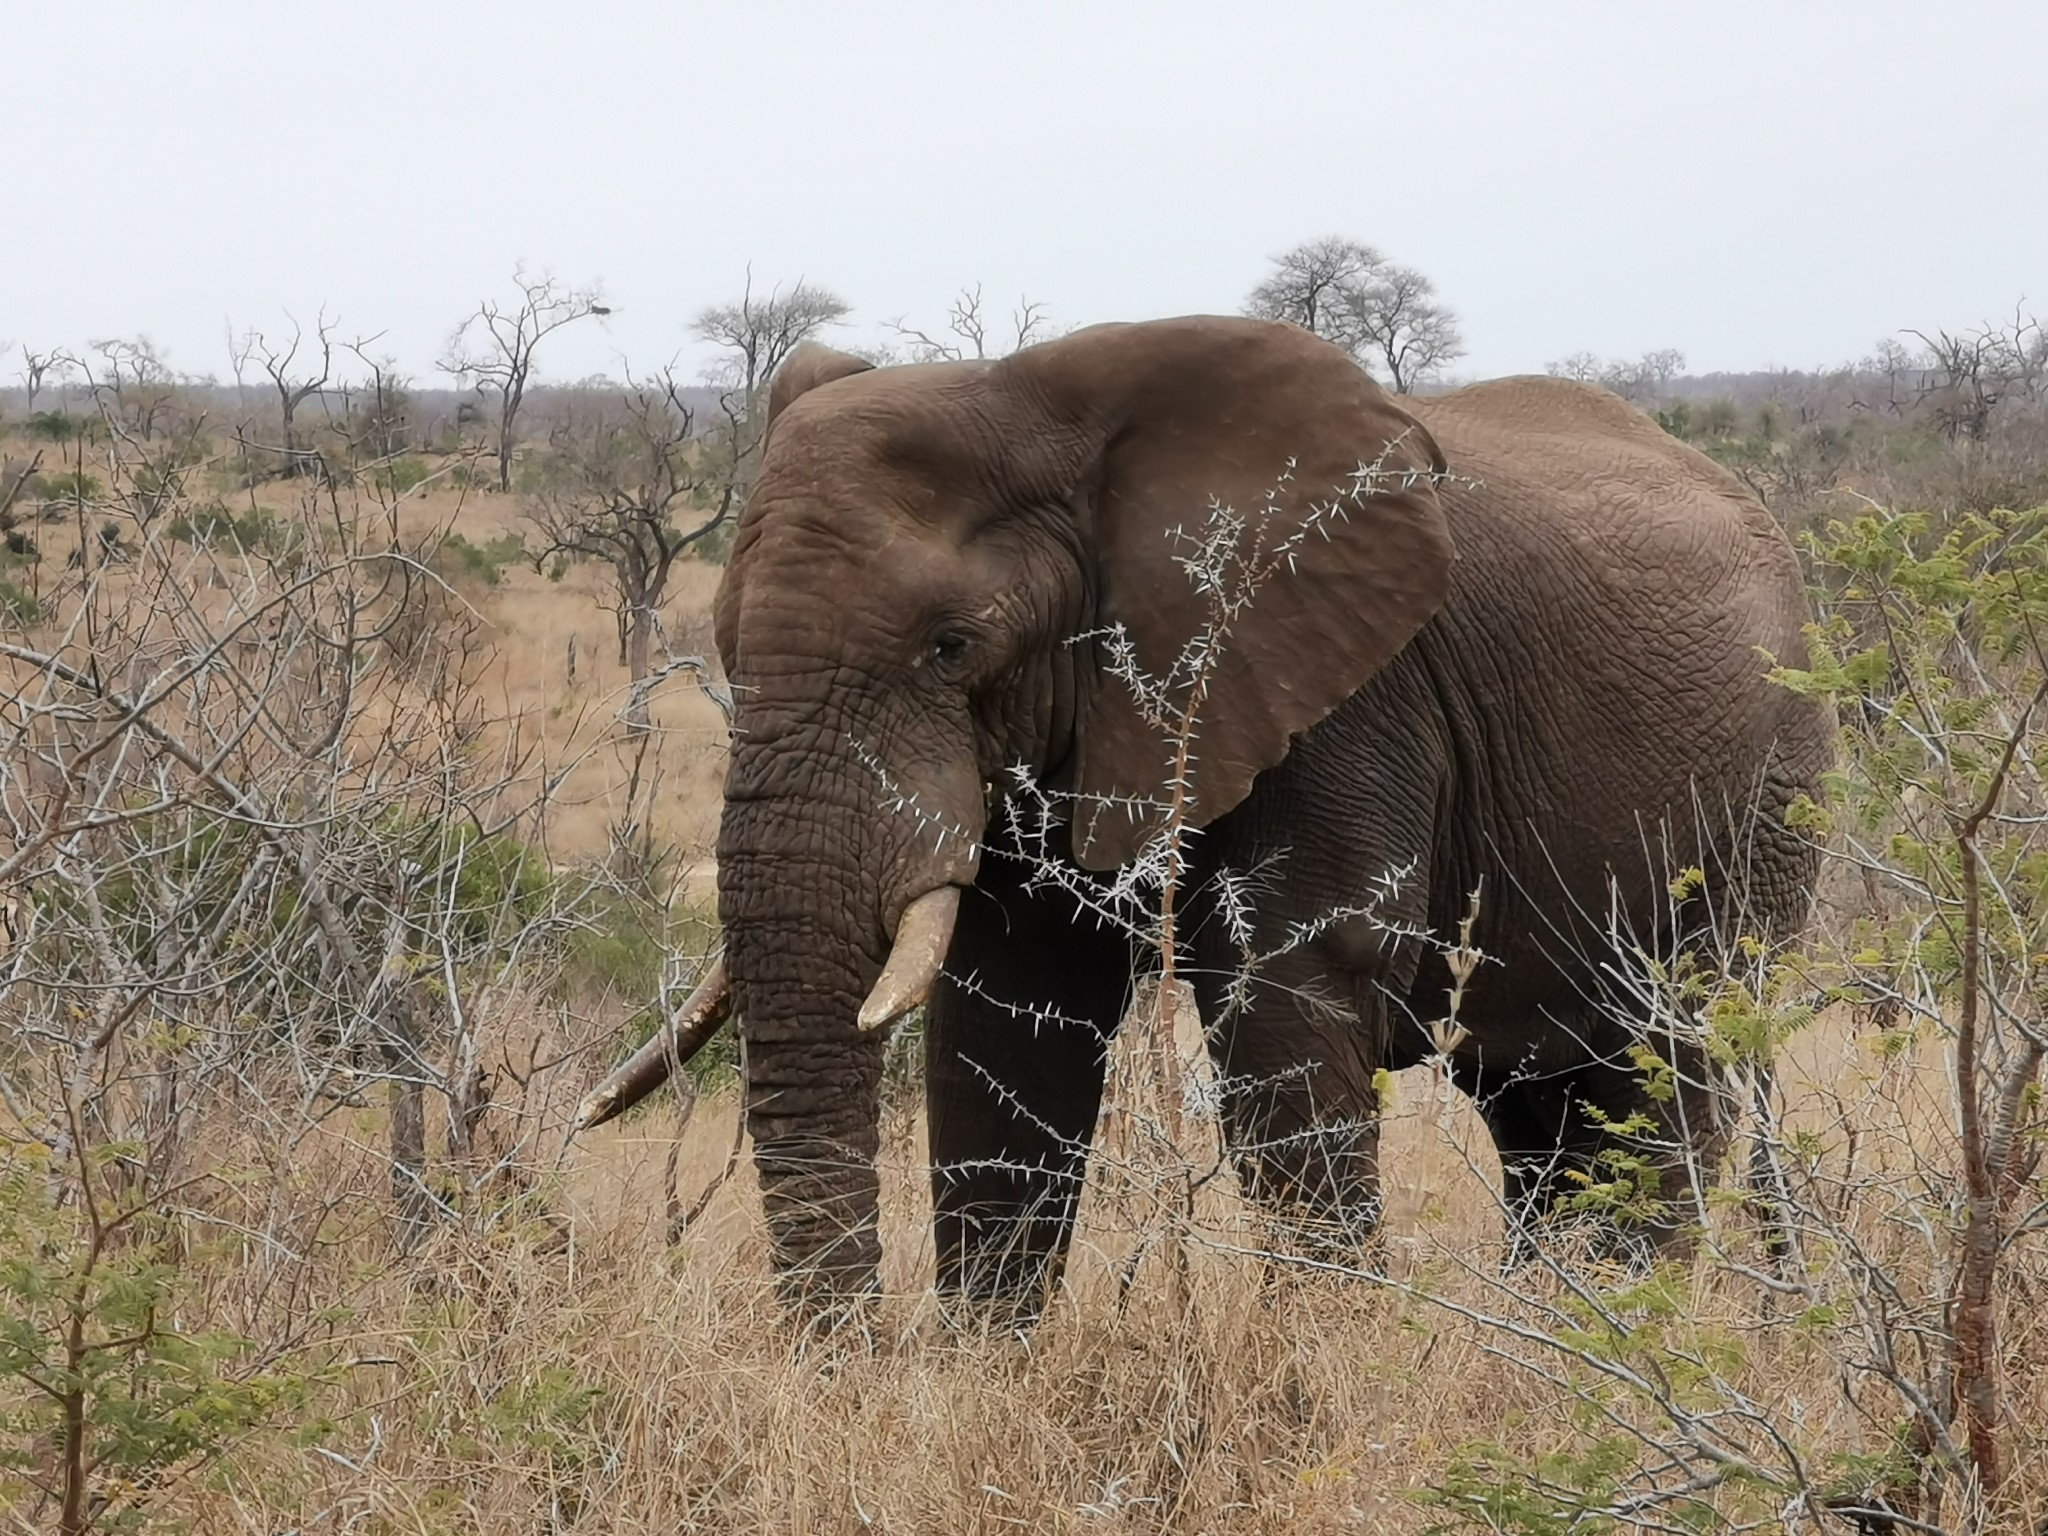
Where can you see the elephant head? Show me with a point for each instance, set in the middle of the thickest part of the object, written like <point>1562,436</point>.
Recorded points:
<point>918,600</point>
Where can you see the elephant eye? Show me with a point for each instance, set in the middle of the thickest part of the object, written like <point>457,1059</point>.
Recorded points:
<point>948,646</point>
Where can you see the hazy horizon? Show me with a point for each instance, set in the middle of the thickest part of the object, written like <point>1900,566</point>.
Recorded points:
<point>1755,185</point>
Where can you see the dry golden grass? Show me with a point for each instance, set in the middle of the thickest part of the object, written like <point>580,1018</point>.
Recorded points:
<point>507,1381</point>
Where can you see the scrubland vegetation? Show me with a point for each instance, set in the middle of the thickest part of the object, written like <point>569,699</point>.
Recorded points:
<point>362,750</point>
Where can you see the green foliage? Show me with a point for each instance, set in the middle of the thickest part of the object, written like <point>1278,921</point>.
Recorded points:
<point>1932,645</point>
<point>715,548</point>
<point>458,559</point>
<point>622,951</point>
<point>1622,1187</point>
<point>1775,458</point>
<point>542,1412</point>
<point>479,892</point>
<point>1676,418</point>
<point>16,606</point>
<point>101,1377</point>
<point>61,426</point>
<point>67,485</point>
<point>397,476</point>
<point>1933,641</point>
<point>1554,1493</point>
<point>1615,1341</point>
<point>255,530</point>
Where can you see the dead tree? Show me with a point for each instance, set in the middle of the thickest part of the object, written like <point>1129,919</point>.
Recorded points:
<point>135,386</point>
<point>40,367</point>
<point>494,348</point>
<point>293,389</point>
<point>967,334</point>
<point>1968,377</point>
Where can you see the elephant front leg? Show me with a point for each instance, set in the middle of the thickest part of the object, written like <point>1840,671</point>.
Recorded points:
<point>1014,1060</point>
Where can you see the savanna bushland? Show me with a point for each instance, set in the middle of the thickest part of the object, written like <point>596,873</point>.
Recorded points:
<point>363,739</point>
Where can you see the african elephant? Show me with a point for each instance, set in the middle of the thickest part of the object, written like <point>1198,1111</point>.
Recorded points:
<point>1521,651</point>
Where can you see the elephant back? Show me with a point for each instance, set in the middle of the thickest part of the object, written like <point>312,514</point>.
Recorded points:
<point>1574,479</point>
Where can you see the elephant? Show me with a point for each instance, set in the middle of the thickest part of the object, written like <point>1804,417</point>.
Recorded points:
<point>1520,649</point>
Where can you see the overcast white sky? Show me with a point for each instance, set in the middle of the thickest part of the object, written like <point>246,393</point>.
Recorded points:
<point>1754,183</point>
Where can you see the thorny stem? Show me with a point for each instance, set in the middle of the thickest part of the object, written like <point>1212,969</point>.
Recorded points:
<point>1976,1325</point>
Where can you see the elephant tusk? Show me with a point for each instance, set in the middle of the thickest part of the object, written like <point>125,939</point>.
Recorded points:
<point>682,1037</point>
<point>922,934</point>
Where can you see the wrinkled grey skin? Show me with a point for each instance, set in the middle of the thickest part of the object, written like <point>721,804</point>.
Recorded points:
<point>1548,685</point>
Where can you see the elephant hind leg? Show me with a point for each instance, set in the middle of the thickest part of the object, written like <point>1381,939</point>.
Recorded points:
<point>1624,1144</point>
<point>1300,1106</point>
<point>1538,1131</point>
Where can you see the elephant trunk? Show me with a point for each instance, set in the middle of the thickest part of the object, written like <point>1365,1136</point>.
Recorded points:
<point>813,1083</point>
<point>836,919</point>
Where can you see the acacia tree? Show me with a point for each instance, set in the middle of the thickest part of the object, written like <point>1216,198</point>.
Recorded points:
<point>754,335</point>
<point>1385,315</point>
<point>494,348</point>
<point>293,389</point>
<point>135,384</point>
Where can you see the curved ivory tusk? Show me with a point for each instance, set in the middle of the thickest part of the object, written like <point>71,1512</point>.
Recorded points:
<point>922,934</point>
<point>682,1037</point>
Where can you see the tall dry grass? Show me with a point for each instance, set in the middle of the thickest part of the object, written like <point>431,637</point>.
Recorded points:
<point>551,1363</point>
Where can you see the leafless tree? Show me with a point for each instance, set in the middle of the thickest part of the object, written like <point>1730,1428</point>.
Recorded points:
<point>1969,374</point>
<point>134,384</point>
<point>756,334</point>
<point>1401,327</point>
<point>377,411</point>
<point>1641,381</point>
<point>1581,367</point>
<point>259,802</point>
<point>293,388</point>
<point>1385,315</point>
<point>1900,369</point>
<point>1965,380</point>
<point>967,333</point>
<point>39,367</point>
<point>1309,283</point>
<point>494,348</point>
<point>630,485</point>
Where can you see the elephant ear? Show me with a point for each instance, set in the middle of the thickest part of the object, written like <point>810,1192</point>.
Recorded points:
<point>808,366</point>
<point>1179,432</point>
